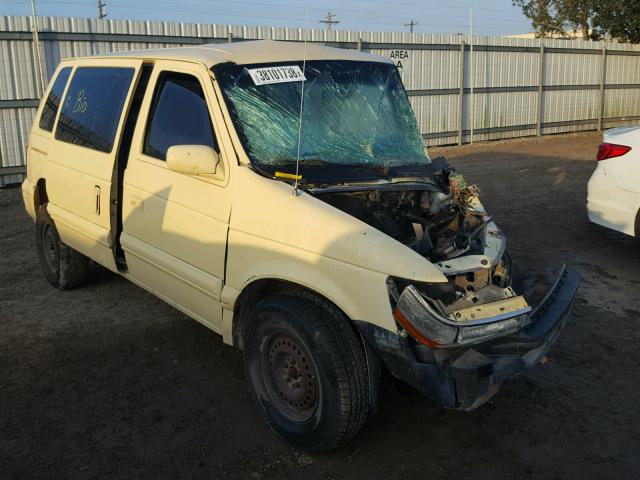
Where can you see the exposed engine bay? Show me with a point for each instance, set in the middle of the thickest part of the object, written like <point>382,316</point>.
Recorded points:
<point>444,221</point>
<point>438,224</point>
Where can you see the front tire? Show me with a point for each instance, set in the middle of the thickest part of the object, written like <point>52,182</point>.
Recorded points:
<point>307,369</point>
<point>62,266</point>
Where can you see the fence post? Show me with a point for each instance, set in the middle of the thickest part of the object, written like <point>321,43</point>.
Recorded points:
<point>461,92</point>
<point>359,44</point>
<point>540,92</point>
<point>603,83</point>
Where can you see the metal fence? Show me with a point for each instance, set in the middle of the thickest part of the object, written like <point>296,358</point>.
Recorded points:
<point>462,89</point>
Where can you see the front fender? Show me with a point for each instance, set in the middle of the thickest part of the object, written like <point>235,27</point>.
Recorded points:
<point>360,293</point>
<point>266,209</point>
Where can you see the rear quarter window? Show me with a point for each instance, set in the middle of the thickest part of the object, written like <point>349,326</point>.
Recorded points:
<point>93,106</point>
<point>52,102</point>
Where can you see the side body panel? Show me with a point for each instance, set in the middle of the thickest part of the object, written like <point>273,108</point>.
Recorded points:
<point>78,179</point>
<point>613,198</point>
<point>608,204</point>
<point>38,149</point>
<point>301,239</point>
<point>625,169</point>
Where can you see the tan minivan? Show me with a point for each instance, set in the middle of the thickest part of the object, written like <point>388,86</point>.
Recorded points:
<point>281,195</point>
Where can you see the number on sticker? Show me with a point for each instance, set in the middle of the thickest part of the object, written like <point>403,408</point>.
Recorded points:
<point>283,74</point>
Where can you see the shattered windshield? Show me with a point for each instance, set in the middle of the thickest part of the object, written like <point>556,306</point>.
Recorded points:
<point>355,113</point>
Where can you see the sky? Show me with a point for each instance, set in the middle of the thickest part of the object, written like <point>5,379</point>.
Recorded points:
<point>490,17</point>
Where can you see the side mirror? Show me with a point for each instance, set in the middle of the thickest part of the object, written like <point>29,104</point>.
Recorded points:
<point>193,159</point>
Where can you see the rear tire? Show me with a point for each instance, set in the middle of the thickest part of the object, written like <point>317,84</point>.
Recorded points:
<point>62,266</point>
<point>307,369</point>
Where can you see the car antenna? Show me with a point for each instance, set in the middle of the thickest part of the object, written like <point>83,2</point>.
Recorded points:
<point>296,192</point>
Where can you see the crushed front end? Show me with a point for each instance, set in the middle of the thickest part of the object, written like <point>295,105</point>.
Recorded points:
<point>461,364</point>
<point>459,340</point>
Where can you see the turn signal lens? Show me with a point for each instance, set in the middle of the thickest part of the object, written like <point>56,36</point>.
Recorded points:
<point>411,330</point>
<point>611,150</point>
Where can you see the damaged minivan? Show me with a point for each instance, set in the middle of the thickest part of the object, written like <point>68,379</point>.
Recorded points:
<point>281,195</point>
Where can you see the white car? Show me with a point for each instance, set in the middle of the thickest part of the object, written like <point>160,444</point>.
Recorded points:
<point>613,193</point>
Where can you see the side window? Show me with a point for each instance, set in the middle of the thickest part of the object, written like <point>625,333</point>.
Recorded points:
<point>93,106</point>
<point>51,104</point>
<point>178,116</point>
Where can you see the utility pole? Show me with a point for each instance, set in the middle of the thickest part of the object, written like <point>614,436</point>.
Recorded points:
<point>472,72</point>
<point>101,11</point>
<point>411,24</point>
<point>330,21</point>
<point>36,49</point>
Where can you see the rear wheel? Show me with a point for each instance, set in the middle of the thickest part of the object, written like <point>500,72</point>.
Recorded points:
<point>307,369</point>
<point>62,266</point>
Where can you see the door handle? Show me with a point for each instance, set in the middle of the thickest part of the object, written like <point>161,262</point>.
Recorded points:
<point>97,192</point>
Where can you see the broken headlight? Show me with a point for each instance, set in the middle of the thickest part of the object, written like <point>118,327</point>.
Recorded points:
<point>427,325</point>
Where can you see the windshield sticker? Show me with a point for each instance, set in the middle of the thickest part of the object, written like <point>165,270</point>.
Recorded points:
<point>284,74</point>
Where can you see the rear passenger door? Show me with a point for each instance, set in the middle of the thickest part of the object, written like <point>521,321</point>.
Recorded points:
<point>175,225</point>
<point>82,154</point>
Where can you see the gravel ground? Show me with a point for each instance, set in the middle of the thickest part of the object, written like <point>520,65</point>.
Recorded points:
<point>109,382</point>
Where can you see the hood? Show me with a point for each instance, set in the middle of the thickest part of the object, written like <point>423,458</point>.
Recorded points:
<point>268,209</point>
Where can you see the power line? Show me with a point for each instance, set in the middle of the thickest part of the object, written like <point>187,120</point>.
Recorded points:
<point>200,6</point>
<point>101,12</point>
<point>206,6</point>
<point>452,21</point>
<point>411,24</point>
<point>364,17</point>
<point>330,21</point>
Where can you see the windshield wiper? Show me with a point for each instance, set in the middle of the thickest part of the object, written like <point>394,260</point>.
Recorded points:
<point>317,162</point>
<point>292,161</point>
<point>382,170</point>
<point>413,168</point>
<point>352,171</point>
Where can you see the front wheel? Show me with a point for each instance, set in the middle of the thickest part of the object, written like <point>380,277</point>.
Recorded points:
<point>307,369</point>
<point>62,266</point>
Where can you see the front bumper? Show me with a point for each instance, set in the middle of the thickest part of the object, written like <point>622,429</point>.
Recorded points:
<point>466,377</point>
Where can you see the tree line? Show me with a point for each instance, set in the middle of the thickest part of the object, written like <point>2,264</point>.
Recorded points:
<point>594,19</point>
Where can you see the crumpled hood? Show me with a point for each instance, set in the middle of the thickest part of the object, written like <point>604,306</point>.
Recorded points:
<point>266,208</point>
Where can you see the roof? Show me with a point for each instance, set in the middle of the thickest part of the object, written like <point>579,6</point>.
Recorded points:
<point>248,52</point>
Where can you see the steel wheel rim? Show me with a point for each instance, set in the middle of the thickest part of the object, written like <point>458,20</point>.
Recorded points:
<point>290,377</point>
<point>49,246</point>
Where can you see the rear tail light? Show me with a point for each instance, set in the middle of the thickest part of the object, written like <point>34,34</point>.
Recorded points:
<point>611,150</point>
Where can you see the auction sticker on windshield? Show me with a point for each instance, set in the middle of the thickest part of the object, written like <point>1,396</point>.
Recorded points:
<point>282,74</point>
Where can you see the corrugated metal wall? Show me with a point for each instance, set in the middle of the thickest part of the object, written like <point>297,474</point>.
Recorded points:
<point>488,88</point>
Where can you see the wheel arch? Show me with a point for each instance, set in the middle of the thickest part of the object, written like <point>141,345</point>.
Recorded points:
<point>40,196</point>
<point>261,288</point>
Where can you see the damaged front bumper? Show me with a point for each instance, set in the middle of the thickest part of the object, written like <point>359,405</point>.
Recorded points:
<point>464,376</point>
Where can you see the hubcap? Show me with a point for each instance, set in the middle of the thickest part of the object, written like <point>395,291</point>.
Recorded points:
<point>292,377</point>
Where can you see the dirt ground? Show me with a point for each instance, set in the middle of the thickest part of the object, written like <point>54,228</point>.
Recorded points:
<point>109,382</point>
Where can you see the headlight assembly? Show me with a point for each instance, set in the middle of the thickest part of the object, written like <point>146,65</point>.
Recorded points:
<point>428,326</point>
